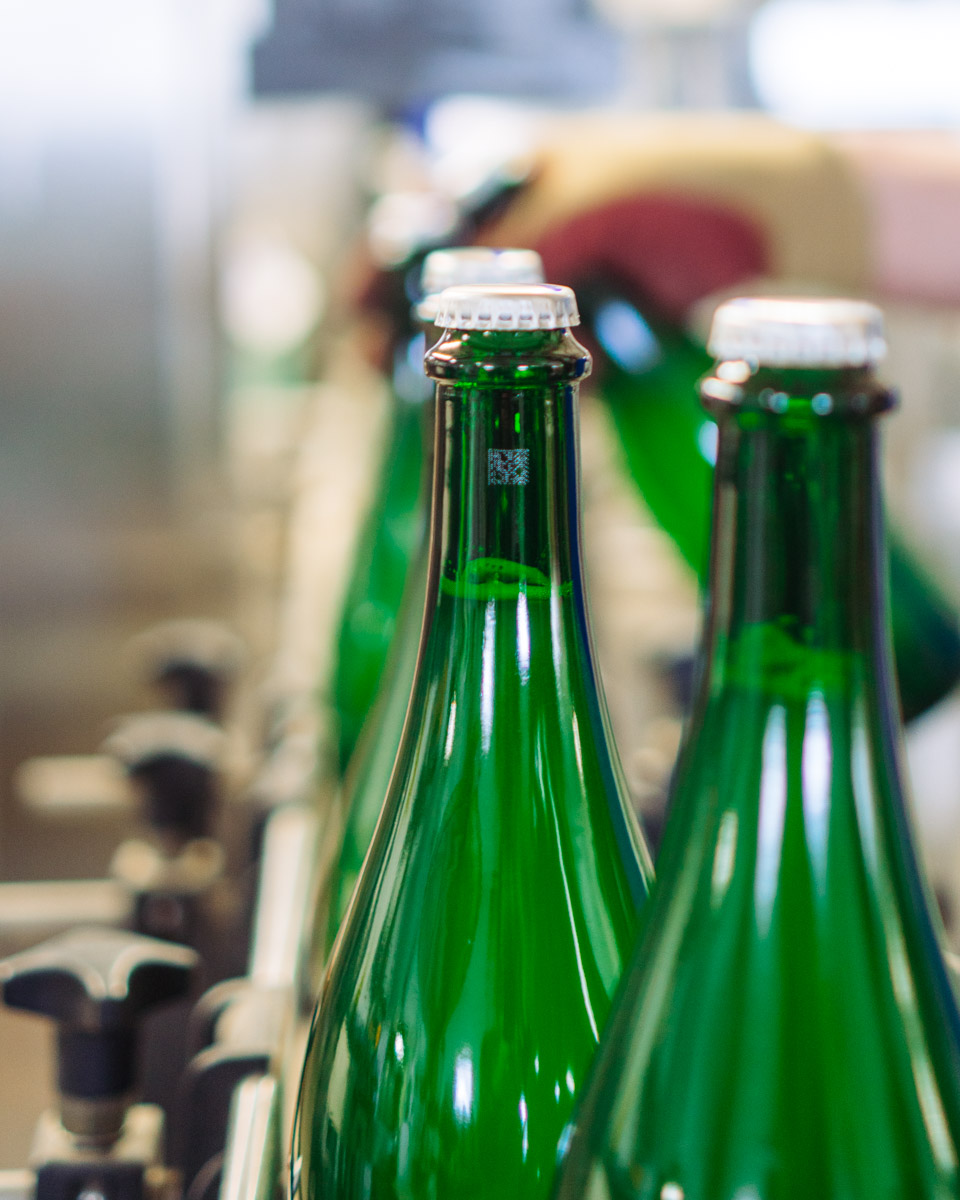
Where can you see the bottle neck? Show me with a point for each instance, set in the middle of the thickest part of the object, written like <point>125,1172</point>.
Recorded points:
<point>797,596</point>
<point>506,503</point>
<point>505,676</point>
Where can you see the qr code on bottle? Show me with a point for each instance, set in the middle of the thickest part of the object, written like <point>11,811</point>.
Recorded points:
<point>508,466</point>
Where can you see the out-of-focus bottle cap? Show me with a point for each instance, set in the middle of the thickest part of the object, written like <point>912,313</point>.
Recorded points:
<point>798,332</point>
<point>507,306</point>
<point>474,265</point>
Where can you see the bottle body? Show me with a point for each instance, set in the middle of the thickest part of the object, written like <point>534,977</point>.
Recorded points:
<point>391,532</point>
<point>499,900</point>
<point>368,778</point>
<point>786,1028</point>
<point>647,379</point>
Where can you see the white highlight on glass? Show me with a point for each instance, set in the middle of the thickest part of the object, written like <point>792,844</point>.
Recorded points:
<point>707,437</point>
<point>463,1086</point>
<point>451,730</point>
<point>523,638</point>
<point>577,748</point>
<point>773,808</point>
<point>862,777</point>
<point>816,770</point>
<point>724,857</point>
<point>486,679</point>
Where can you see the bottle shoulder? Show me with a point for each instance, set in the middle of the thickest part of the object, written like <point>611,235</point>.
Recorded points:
<point>795,394</point>
<point>503,821</point>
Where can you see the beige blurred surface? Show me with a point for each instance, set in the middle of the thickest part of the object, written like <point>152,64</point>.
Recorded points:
<point>800,190</point>
<point>25,1045</point>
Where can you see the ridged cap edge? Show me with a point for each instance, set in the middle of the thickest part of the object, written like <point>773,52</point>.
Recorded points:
<point>507,307</point>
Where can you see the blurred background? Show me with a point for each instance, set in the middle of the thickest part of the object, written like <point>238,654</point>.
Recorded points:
<point>197,198</point>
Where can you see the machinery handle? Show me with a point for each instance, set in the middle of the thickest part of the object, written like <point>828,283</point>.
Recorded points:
<point>173,758</point>
<point>95,984</point>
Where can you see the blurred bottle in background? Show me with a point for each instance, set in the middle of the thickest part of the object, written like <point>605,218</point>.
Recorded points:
<point>366,783</point>
<point>648,375</point>
<point>404,231</point>
<point>393,526</point>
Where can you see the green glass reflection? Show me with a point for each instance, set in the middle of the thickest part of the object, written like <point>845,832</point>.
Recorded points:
<point>648,377</point>
<point>389,536</point>
<point>786,1029</point>
<point>498,903</point>
<point>372,765</point>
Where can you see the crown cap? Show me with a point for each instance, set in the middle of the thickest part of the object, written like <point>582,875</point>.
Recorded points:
<point>798,332</point>
<point>517,306</point>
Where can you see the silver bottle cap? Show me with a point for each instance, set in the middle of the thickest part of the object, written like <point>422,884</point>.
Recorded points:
<point>516,306</point>
<point>474,265</point>
<point>798,332</point>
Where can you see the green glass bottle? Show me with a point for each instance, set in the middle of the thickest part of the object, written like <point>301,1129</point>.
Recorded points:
<point>391,531</point>
<point>366,784</point>
<point>647,375</point>
<point>499,900</point>
<point>786,1029</point>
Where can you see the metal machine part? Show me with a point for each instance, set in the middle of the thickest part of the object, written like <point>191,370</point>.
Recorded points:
<point>172,759</point>
<point>193,661</point>
<point>176,874</point>
<point>97,985</point>
<point>129,1168</point>
<point>162,884</point>
<point>72,784</point>
<point>244,1028</point>
<point>29,911</point>
<point>254,1136</point>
